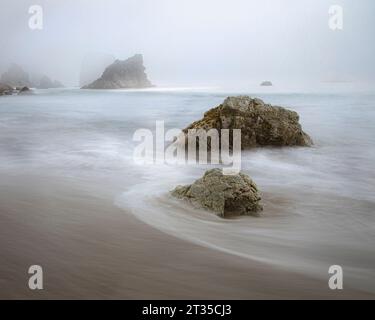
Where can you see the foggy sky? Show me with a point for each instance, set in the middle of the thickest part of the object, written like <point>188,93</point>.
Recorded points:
<point>195,42</point>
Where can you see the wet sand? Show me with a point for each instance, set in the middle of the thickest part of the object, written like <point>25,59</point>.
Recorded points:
<point>89,248</point>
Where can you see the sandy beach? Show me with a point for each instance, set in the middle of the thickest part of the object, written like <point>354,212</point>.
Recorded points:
<point>89,248</point>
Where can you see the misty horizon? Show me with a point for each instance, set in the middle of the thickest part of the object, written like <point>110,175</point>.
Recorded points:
<point>192,43</point>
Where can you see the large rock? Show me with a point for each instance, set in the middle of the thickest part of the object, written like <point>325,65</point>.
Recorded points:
<point>129,73</point>
<point>17,77</point>
<point>225,195</point>
<point>261,124</point>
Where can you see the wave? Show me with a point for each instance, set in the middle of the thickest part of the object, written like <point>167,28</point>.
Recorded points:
<point>288,235</point>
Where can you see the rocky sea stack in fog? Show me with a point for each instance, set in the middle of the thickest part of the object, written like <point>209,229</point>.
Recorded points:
<point>17,77</point>
<point>225,195</point>
<point>261,124</point>
<point>46,83</point>
<point>266,84</point>
<point>129,73</point>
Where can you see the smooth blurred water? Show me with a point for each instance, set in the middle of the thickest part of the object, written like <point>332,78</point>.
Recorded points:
<point>319,202</point>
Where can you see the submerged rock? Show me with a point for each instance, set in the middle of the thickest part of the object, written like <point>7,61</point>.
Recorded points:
<point>266,84</point>
<point>225,195</point>
<point>129,73</point>
<point>261,124</point>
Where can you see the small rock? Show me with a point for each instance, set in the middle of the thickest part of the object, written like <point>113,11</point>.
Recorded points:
<point>5,89</point>
<point>266,84</point>
<point>25,90</point>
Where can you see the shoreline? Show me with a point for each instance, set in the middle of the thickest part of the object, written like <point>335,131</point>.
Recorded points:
<point>89,248</point>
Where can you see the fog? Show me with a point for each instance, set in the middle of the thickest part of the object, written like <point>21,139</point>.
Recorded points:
<point>193,42</point>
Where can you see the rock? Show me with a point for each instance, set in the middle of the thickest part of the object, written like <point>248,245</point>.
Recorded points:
<point>46,83</point>
<point>225,195</point>
<point>25,90</point>
<point>261,124</point>
<point>5,89</point>
<point>129,73</point>
<point>16,76</point>
<point>266,84</point>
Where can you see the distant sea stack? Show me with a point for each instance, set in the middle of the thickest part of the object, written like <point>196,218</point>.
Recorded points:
<point>126,74</point>
<point>46,83</point>
<point>261,124</point>
<point>15,76</point>
<point>266,84</point>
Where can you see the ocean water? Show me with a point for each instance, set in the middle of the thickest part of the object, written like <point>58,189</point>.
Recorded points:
<point>319,202</point>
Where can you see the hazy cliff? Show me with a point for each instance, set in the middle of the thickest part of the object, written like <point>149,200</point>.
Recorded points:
<point>129,73</point>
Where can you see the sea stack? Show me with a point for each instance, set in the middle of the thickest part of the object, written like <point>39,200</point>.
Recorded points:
<point>46,83</point>
<point>15,76</point>
<point>266,84</point>
<point>129,73</point>
<point>92,67</point>
<point>261,124</point>
<point>225,195</point>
